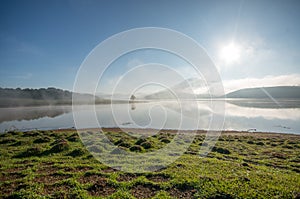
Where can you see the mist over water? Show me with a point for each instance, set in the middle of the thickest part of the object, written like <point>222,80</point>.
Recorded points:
<point>260,116</point>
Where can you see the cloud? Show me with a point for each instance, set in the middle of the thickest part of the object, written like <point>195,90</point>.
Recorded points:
<point>267,81</point>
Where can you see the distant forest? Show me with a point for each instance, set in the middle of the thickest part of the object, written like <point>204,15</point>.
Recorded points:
<point>10,97</point>
<point>37,94</point>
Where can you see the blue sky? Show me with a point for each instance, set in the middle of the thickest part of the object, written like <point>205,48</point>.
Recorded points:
<point>43,43</point>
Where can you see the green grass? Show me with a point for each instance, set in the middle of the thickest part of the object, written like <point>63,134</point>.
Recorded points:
<point>55,164</point>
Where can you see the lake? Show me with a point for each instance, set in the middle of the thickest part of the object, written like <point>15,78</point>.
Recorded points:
<point>247,115</point>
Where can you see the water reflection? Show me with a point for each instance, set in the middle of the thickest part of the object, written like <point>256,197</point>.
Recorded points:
<point>32,113</point>
<point>265,103</point>
<point>240,115</point>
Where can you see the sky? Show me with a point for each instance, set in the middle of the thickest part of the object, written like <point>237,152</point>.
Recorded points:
<point>252,42</point>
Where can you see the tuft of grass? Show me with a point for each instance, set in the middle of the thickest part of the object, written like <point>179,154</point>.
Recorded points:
<point>146,145</point>
<point>165,140</point>
<point>73,138</point>
<point>58,146</point>
<point>136,148</point>
<point>44,139</point>
<point>220,150</point>
<point>33,151</point>
<point>8,141</point>
<point>77,152</point>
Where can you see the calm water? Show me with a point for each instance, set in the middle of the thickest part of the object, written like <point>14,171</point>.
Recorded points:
<point>283,116</point>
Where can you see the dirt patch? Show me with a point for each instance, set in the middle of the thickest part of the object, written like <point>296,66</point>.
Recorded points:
<point>90,178</point>
<point>182,193</point>
<point>47,169</point>
<point>158,178</point>
<point>108,170</point>
<point>16,169</point>
<point>101,188</point>
<point>126,177</point>
<point>8,188</point>
<point>83,168</point>
<point>144,191</point>
<point>54,189</point>
<point>46,163</point>
<point>27,162</point>
<point>50,179</point>
<point>11,176</point>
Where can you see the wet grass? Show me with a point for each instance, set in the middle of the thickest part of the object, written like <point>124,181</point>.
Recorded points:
<point>55,164</point>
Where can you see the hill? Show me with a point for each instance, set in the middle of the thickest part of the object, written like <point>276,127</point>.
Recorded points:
<point>267,92</point>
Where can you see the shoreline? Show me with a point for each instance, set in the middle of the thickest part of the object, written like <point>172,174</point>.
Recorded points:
<point>199,131</point>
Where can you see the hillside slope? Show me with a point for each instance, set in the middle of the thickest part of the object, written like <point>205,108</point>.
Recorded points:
<point>267,92</point>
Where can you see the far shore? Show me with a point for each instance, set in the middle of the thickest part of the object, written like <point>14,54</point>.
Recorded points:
<point>174,131</point>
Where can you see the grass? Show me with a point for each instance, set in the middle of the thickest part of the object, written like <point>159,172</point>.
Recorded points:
<point>55,164</point>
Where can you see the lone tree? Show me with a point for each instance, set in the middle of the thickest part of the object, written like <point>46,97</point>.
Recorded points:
<point>132,98</point>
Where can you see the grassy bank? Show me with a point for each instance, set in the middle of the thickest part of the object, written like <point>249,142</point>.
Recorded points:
<point>55,164</point>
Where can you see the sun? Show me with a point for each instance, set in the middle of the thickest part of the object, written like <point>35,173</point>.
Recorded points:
<point>230,53</point>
